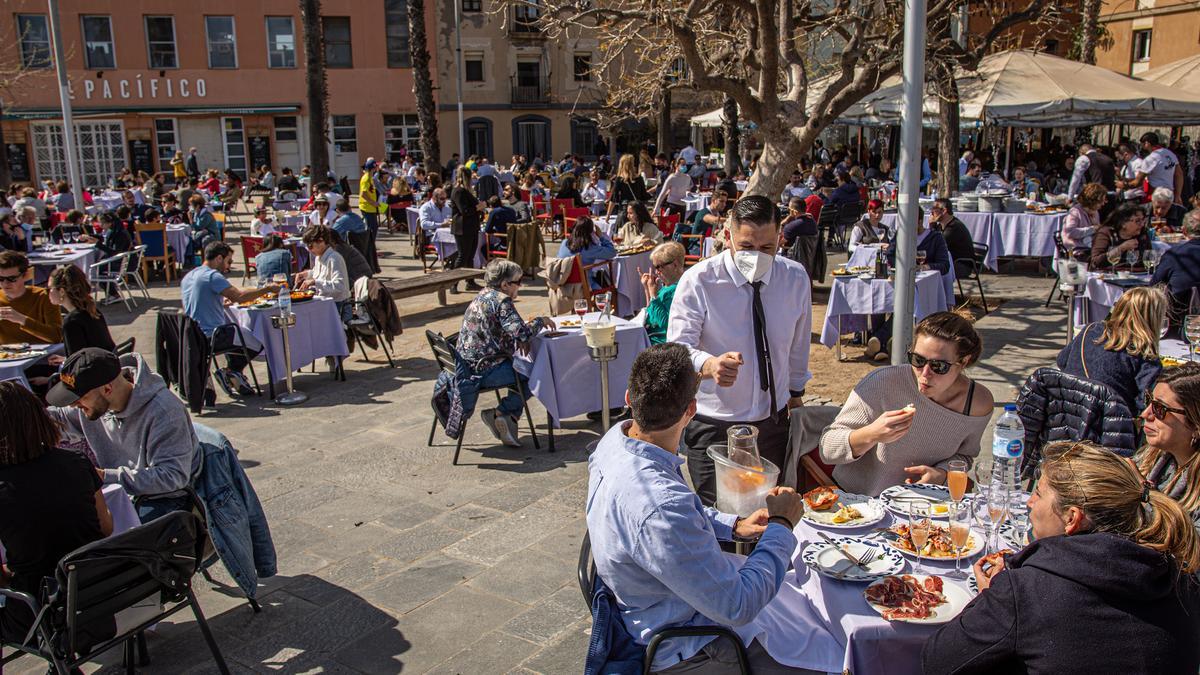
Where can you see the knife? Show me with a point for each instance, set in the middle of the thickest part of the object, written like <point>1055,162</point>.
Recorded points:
<point>829,540</point>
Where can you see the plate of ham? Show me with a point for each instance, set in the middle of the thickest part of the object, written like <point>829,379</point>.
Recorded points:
<point>916,598</point>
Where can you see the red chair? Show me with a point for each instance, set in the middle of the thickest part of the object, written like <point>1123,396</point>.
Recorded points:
<point>667,223</point>
<point>572,214</point>
<point>524,194</point>
<point>492,247</point>
<point>689,258</point>
<point>251,247</point>
<point>579,273</point>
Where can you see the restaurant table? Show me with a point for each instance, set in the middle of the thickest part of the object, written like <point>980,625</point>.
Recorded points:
<point>852,300</point>
<point>124,515</point>
<point>318,332</point>
<point>178,237</point>
<point>108,201</point>
<point>293,205</point>
<point>1177,349</point>
<point>695,202</point>
<point>414,218</point>
<point>1006,234</point>
<point>292,222</point>
<point>563,376</point>
<point>865,254</point>
<point>44,261</point>
<point>1098,297</point>
<point>444,244</point>
<point>824,624</point>
<point>15,369</point>
<point>631,295</point>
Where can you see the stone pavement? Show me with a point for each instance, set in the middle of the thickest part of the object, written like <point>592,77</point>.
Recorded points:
<point>393,560</point>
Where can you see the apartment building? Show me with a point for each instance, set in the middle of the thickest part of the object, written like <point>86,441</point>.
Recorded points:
<point>1146,34</point>
<point>153,77</point>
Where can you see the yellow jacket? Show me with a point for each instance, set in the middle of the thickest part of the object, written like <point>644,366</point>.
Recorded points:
<point>368,196</point>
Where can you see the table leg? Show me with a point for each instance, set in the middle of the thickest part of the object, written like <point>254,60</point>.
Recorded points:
<point>838,342</point>
<point>442,296</point>
<point>550,429</point>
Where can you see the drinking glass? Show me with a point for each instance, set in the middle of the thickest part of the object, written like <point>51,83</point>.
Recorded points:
<point>1150,260</point>
<point>920,258</point>
<point>581,307</point>
<point>956,479</point>
<point>919,526</point>
<point>993,509</point>
<point>1132,258</point>
<point>1191,331</point>
<point>960,534</point>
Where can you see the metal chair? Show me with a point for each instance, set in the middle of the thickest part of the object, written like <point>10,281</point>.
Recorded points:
<point>1060,253</point>
<point>976,263</point>
<point>131,269</point>
<point>361,321</point>
<point>237,346</point>
<point>827,228</point>
<point>101,274</point>
<point>126,347</point>
<point>447,358</point>
<point>586,573</point>
<point>847,216</point>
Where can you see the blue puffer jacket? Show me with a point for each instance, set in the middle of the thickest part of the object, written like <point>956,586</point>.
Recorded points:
<point>236,522</point>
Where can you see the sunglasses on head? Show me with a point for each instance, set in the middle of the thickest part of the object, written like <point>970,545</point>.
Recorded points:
<point>938,366</point>
<point>1161,409</point>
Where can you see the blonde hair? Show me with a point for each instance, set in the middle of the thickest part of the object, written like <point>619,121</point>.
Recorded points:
<point>1116,499</point>
<point>1184,381</point>
<point>627,168</point>
<point>1135,323</point>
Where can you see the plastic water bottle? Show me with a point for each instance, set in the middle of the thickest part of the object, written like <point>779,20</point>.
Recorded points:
<point>1008,444</point>
<point>285,298</point>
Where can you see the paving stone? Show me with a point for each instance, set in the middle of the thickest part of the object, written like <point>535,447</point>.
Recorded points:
<point>334,581</point>
<point>493,653</point>
<point>420,583</point>
<point>417,542</point>
<point>409,515</point>
<point>526,576</point>
<point>315,637</point>
<point>468,518</point>
<point>566,654</point>
<point>550,616</point>
<point>563,543</point>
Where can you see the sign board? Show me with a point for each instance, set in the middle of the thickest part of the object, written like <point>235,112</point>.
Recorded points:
<point>18,161</point>
<point>260,152</point>
<point>141,156</point>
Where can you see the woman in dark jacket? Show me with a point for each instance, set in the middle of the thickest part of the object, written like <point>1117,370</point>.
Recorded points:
<point>1122,351</point>
<point>84,325</point>
<point>627,187</point>
<point>466,210</point>
<point>567,190</point>
<point>1106,587</point>
<point>1124,231</point>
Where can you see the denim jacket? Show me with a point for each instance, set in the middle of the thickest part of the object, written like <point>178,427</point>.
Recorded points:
<point>236,521</point>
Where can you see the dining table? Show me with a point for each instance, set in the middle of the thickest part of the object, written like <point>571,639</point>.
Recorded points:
<point>1101,291</point>
<point>628,269</point>
<point>1006,234</point>
<point>45,258</point>
<point>445,246</point>
<point>318,333</point>
<point>179,235</point>
<point>695,201</point>
<point>14,369</point>
<point>852,300</point>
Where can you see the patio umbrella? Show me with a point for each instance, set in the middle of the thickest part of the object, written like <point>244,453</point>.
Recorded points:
<point>1183,74</point>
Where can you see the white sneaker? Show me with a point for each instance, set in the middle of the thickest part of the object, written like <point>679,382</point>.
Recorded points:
<point>507,427</point>
<point>489,419</point>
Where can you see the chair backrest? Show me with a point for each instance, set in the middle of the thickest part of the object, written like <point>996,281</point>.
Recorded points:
<point>576,275</point>
<point>524,194</point>
<point>828,217</point>
<point>126,347</point>
<point>585,570</point>
<point>667,223</point>
<point>154,238</point>
<point>848,214</point>
<point>574,213</point>
<point>443,350</point>
<point>251,247</point>
<point>1060,247</point>
<point>981,252</point>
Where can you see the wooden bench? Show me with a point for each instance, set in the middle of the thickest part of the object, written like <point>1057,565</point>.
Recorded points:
<point>439,281</point>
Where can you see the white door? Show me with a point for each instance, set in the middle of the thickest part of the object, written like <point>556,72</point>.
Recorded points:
<point>235,145</point>
<point>345,149</point>
<point>100,145</point>
<point>287,145</point>
<point>204,134</point>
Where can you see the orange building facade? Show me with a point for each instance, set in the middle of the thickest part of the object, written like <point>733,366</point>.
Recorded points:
<point>1146,34</point>
<point>149,78</point>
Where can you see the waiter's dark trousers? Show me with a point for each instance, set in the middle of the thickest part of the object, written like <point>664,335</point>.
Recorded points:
<point>702,432</point>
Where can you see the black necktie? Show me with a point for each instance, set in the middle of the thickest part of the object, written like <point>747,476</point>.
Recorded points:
<point>766,376</point>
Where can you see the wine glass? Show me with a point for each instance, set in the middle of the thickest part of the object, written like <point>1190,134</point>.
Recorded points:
<point>1150,260</point>
<point>956,478</point>
<point>920,258</point>
<point>960,533</point>
<point>1191,331</point>
<point>992,506</point>
<point>1132,257</point>
<point>581,307</point>
<point>919,527</point>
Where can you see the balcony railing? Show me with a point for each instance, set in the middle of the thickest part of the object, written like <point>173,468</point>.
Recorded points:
<point>530,91</point>
<point>525,24</point>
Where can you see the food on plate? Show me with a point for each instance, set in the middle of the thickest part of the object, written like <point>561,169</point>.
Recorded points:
<point>1172,362</point>
<point>268,295</point>
<point>904,597</point>
<point>938,545</point>
<point>846,514</point>
<point>820,499</point>
<point>15,347</point>
<point>992,559</point>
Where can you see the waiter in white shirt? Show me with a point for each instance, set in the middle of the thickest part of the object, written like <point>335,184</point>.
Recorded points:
<point>1160,167</point>
<point>746,317</point>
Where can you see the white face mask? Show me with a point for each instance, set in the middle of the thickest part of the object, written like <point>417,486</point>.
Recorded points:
<point>752,264</point>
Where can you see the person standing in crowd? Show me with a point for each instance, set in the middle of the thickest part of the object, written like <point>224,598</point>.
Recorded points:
<point>666,262</point>
<point>754,361</point>
<point>627,187</point>
<point>1179,270</point>
<point>468,212</point>
<point>958,238</point>
<point>1131,166</point>
<point>372,204</point>
<point>1160,167</point>
<point>1092,166</point>
<point>1083,220</point>
<point>674,190</point>
<point>193,164</point>
<point>26,313</point>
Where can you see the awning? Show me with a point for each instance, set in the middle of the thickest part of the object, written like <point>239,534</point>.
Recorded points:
<point>91,111</point>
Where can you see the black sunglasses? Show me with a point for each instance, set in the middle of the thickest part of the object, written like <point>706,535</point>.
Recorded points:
<point>1161,409</point>
<point>938,366</point>
<point>14,278</point>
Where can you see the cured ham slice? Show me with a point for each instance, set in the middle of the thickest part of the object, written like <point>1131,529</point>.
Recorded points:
<point>904,597</point>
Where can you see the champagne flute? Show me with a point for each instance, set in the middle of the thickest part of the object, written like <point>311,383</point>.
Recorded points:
<point>581,307</point>
<point>995,502</point>
<point>1132,258</point>
<point>1191,331</point>
<point>960,534</point>
<point>1150,260</point>
<point>956,479</point>
<point>919,526</point>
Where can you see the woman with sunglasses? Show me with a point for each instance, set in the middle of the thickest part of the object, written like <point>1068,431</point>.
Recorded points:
<point>903,424</point>
<point>1121,352</point>
<point>1171,423</point>
<point>1109,550</point>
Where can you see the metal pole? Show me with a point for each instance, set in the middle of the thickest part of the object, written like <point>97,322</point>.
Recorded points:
<point>458,62</point>
<point>910,177</point>
<point>604,395</point>
<point>64,97</point>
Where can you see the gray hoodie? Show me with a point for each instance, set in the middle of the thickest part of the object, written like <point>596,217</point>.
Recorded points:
<point>150,447</point>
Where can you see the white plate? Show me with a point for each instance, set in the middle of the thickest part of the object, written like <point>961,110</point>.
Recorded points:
<point>977,542</point>
<point>1009,536</point>
<point>871,509</point>
<point>956,596</point>
<point>822,557</point>
<point>34,354</point>
<point>898,498</point>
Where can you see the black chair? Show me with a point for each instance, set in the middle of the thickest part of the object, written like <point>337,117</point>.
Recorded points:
<point>586,572</point>
<point>827,228</point>
<point>99,586</point>
<point>363,323</point>
<point>1060,253</point>
<point>847,216</point>
<point>446,358</point>
<point>976,264</point>
<point>236,345</point>
<point>126,347</point>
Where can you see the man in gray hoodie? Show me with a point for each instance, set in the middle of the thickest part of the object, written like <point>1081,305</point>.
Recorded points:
<point>139,431</point>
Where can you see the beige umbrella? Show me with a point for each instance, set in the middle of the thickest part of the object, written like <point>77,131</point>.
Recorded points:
<point>1183,74</point>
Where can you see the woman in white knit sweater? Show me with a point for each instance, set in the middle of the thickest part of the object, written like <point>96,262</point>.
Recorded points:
<point>903,424</point>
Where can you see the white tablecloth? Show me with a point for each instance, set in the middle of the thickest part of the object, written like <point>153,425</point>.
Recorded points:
<point>178,238</point>
<point>865,254</point>
<point>1007,234</point>
<point>852,300</point>
<point>43,262</point>
<point>444,244</point>
<point>695,202</point>
<point>318,332</point>
<point>108,201</point>
<point>565,379</point>
<point>631,297</point>
<point>293,222</point>
<point>1174,348</point>
<point>1098,298</point>
<point>15,370</point>
<point>414,218</point>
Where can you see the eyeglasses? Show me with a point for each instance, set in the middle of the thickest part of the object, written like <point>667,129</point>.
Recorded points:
<point>12,279</point>
<point>1160,409</point>
<point>659,266</point>
<point>938,366</point>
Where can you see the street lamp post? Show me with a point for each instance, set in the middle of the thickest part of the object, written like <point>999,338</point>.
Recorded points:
<point>64,97</point>
<point>458,62</point>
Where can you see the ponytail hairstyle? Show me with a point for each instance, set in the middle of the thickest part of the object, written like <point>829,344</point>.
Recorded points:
<point>1184,381</point>
<point>75,285</point>
<point>954,327</point>
<point>1116,499</point>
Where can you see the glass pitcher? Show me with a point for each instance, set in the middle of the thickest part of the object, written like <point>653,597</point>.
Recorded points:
<point>742,440</point>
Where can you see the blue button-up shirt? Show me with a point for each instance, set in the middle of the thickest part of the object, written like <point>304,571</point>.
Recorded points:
<point>655,546</point>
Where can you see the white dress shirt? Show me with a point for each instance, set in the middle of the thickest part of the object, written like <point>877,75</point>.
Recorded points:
<point>431,217</point>
<point>712,313</point>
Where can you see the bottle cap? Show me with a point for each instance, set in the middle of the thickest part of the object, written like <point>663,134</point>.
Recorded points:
<point>1010,407</point>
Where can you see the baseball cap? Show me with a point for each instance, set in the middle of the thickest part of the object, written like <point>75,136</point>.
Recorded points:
<point>82,372</point>
<point>371,164</point>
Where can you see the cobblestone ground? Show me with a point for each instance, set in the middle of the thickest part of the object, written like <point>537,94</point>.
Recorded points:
<point>390,558</point>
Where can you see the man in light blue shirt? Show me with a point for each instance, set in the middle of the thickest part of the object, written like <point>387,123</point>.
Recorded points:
<point>435,213</point>
<point>654,543</point>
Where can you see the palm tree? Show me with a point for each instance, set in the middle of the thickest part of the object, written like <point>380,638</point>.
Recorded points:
<point>1089,32</point>
<point>316,86</point>
<point>423,86</point>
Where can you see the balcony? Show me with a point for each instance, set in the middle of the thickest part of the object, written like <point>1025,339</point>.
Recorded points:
<point>525,25</point>
<point>530,92</point>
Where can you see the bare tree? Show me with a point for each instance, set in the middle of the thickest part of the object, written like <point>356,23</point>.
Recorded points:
<point>317,89</point>
<point>418,50</point>
<point>761,58</point>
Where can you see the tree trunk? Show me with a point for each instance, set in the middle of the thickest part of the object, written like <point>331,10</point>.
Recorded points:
<point>316,91</point>
<point>664,122</point>
<point>780,151</point>
<point>5,170</point>
<point>948,120</point>
<point>1088,29</point>
<point>733,140</point>
<point>418,50</point>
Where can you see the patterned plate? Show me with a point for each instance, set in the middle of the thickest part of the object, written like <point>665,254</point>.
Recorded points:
<point>898,498</point>
<point>871,509</point>
<point>822,557</point>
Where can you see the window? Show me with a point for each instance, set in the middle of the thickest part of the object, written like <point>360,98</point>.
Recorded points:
<point>1050,46</point>
<point>583,66</point>
<point>337,42</point>
<point>345,134</point>
<point>222,43</point>
<point>479,136</point>
<point>286,129</point>
<point>472,5</point>
<point>531,136</point>
<point>1141,45</point>
<point>235,144</point>
<point>525,18</point>
<point>160,42</point>
<point>281,42</point>
<point>584,137</point>
<point>100,144</point>
<point>98,42</point>
<point>401,131</point>
<point>395,13</point>
<point>473,66</point>
<point>167,141</point>
<point>34,35</point>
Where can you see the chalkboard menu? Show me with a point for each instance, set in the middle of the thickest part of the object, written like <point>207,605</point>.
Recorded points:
<point>260,152</point>
<point>141,157</point>
<point>18,161</point>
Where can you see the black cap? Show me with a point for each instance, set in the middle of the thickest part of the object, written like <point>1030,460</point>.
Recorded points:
<point>82,372</point>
